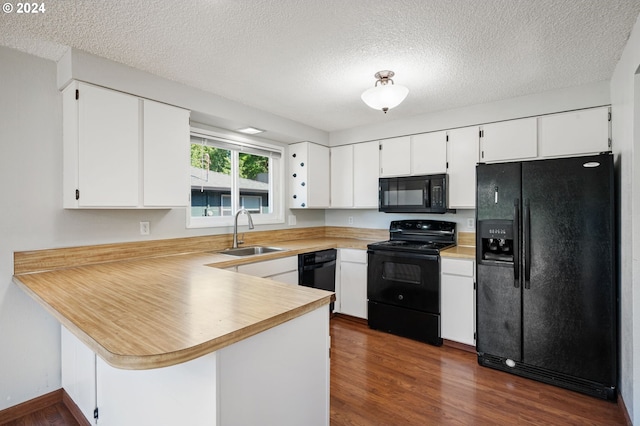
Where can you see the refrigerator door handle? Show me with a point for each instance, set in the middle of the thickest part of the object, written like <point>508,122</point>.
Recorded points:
<point>527,245</point>
<point>516,237</point>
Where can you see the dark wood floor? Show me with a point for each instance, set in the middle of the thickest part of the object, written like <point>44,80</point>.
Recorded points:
<point>381,379</point>
<point>54,415</point>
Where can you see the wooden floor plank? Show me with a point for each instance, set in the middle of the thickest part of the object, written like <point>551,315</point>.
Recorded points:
<point>381,379</point>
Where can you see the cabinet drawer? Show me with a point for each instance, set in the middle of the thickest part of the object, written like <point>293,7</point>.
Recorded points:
<point>270,267</point>
<point>457,267</point>
<point>353,255</point>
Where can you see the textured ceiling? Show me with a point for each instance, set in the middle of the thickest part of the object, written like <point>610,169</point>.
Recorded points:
<point>309,60</point>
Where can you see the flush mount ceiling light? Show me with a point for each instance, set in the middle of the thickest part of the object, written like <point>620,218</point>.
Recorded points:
<point>384,96</point>
<point>250,130</point>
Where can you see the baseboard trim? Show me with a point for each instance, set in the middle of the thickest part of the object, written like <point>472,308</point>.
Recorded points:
<point>74,409</point>
<point>624,410</point>
<point>28,407</point>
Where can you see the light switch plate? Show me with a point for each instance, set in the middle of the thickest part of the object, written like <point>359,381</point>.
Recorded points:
<point>471,223</point>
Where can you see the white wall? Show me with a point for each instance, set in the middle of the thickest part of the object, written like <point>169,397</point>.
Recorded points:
<point>376,220</point>
<point>206,107</point>
<point>31,217</point>
<point>585,96</point>
<point>625,99</point>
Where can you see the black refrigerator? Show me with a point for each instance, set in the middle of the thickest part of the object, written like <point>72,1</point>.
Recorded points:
<point>546,301</point>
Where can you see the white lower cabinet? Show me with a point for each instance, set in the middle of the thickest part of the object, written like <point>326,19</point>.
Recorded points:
<point>284,270</point>
<point>457,299</point>
<point>353,282</point>
<point>78,365</point>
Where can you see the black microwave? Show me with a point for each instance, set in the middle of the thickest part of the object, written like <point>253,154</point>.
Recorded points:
<point>413,194</point>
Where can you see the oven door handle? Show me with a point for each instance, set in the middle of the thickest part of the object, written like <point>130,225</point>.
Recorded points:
<point>403,255</point>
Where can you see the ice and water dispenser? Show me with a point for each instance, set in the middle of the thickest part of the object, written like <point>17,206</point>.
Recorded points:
<point>497,240</point>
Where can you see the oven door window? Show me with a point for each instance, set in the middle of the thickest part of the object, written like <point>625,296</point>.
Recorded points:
<point>404,279</point>
<point>402,272</point>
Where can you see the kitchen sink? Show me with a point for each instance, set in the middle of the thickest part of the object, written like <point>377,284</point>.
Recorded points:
<point>249,251</point>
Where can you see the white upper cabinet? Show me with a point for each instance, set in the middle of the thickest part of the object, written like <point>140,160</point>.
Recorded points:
<point>429,153</point>
<point>509,140</point>
<point>101,150</point>
<point>395,157</point>
<point>577,132</point>
<point>309,170</point>
<point>114,158</point>
<point>366,160</point>
<point>354,175</point>
<point>342,176</point>
<point>166,155</point>
<point>462,154</point>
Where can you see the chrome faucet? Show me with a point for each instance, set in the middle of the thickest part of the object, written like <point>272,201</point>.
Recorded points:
<point>235,226</point>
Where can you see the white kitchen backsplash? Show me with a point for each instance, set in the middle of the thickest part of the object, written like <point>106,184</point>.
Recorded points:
<point>376,220</point>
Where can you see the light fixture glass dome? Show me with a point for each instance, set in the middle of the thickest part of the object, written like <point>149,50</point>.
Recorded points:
<point>385,94</point>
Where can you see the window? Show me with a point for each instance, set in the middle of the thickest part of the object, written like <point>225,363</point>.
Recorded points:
<point>227,175</point>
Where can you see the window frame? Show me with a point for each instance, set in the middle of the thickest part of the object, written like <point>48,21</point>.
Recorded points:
<point>238,144</point>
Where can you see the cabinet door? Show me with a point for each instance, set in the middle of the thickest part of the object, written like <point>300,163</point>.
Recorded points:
<point>462,155</point>
<point>458,302</point>
<point>342,178</point>
<point>429,153</point>
<point>318,176</point>
<point>576,132</point>
<point>270,267</point>
<point>108,159</point>
<point>78,370</point>
<point>366,161</point>
<point>395,157</point>
<point>166,155</point>
<point>353,282</point>
<point>509,140</point>
<point>290,277</point>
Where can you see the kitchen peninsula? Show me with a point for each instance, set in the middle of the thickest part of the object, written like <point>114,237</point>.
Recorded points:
<point>179,342</point>
<point>168,336</point>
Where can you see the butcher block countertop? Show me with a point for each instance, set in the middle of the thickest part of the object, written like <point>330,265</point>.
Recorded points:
<point>151,312</point>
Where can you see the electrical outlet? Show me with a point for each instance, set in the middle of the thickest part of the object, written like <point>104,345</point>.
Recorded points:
<point>350,220</point>
<point>145,229</point>
<point>471,223</point>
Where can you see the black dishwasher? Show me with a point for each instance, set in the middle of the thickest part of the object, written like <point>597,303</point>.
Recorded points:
<point>318,270</point>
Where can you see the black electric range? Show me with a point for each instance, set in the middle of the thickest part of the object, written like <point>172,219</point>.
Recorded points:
<point>403,279</point>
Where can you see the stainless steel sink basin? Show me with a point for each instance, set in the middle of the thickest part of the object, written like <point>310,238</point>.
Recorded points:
<point>249,251</point>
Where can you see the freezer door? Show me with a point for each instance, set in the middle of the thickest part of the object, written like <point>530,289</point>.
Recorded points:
<point>569,303</point>
<point>499,297</point>
<point>499,313</point>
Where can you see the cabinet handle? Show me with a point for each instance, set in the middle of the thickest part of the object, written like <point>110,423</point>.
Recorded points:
<point>295,175</point>
<point>301,164</point>
<point>294,155</point>
<point>303,184</point>
<point>295,196</point>
<point>303,205</point>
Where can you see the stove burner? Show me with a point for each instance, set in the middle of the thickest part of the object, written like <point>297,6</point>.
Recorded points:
<point>420,236</point>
